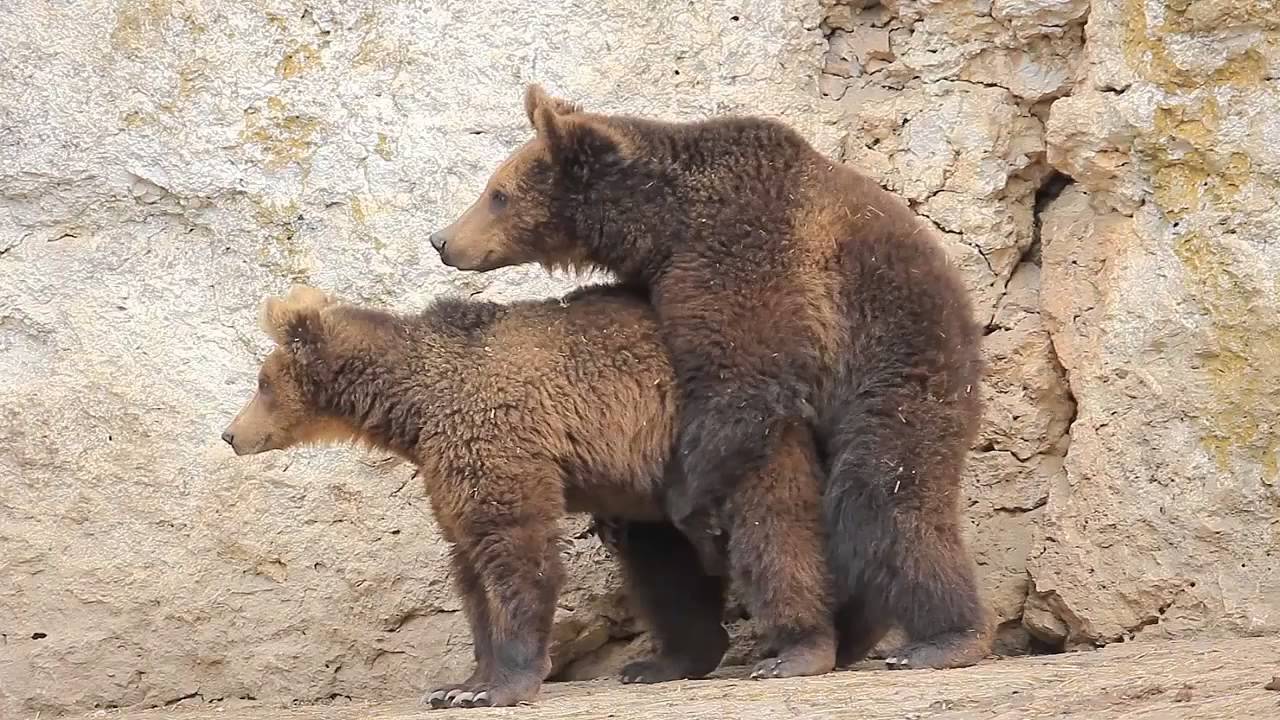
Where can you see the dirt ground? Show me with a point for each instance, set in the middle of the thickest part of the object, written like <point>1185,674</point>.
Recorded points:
<point>1138,681</point>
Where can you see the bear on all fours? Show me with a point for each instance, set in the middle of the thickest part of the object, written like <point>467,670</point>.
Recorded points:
<point>515,415</point>
<point>788,288</point>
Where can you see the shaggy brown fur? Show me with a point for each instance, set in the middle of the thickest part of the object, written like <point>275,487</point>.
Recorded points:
<point>520,413</point>
<point>789,289</point>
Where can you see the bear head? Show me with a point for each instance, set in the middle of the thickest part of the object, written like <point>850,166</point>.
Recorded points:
<point>538,206</point>
<point>280,415</point>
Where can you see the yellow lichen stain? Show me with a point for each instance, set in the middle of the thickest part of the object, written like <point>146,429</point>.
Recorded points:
<point>1197,180</point>
<point>372,52</point>
<point>283,256</point>
<point>1149,57</point>
<point>1232,173</point>
<point>375,50</point>
<point>298,60</point>
<point>383,147</point>
<point>1209,15</point>
<point>1196,127</point>
<point>1244,375</point>
<point>272,213</point>
<point>1177,186</point>
<point>192,79</point>
<point>362,208</point>
<point>135,119</point>
<point>285,138</point>
<point>137,21</point>
<point>370,45</point>
<point>1200,175</point>
<point>278,22</point>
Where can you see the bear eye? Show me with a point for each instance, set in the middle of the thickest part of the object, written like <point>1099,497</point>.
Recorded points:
<point>498,199</point>
<point>263,385</point>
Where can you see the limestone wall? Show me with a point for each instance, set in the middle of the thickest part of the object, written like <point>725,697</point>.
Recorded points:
<point>1106,173</point>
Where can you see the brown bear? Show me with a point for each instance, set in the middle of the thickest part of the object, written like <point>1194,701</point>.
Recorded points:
<point>515,415</point>
<point>789,289</point>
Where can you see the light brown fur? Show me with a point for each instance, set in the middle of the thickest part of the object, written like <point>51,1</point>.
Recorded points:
<point>515,415</point>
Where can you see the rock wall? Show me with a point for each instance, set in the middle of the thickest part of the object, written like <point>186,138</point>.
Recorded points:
<point>1106,173</point>
<point>1162,295</point>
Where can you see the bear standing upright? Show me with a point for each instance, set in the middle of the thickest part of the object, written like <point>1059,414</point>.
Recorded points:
<point>788,288</point>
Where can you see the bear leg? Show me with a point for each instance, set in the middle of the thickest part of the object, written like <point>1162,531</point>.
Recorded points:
<point>939,605</point>
<point>857,631</point>
<point>476,607</point>
<point>682,604</point>
<point>517,562</point>
<point>892,508</point>
<point>728,432</point>
<point>776,555</point>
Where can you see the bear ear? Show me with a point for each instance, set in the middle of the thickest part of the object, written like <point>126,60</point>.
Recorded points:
<point>535,97</point>
<point>294,318</point>
<point>305,296</point>
<point>580,145</point>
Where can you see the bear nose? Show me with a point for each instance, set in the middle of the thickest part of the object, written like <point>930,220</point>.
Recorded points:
<point>228,438</point>
<point>438,240</point>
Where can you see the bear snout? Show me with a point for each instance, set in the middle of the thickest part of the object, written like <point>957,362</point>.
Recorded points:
<point>439,240</point>
<point>240,449</point>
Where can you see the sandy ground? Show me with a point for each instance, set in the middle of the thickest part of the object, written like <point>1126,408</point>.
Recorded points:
<point>1204,680</point>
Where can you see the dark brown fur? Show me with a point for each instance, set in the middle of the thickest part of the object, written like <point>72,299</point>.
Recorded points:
<point>515,415</point>
<point>789,289</point>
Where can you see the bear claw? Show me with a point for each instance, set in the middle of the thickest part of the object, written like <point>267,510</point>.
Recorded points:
<point>770,668</point>
<point>491,695</point>
<point>797,662</point>
<point>654,670</point>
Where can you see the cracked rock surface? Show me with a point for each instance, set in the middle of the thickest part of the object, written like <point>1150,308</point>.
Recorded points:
<point>1105,172</point>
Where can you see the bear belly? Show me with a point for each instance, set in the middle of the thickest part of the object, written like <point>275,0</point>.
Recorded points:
<point>615,501</point>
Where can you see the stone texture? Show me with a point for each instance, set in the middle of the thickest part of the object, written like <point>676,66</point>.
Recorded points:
<point>165,163</point>
<point>1160,293</point>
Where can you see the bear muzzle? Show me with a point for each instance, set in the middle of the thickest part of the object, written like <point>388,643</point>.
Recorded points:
<point>243,447</point>
<point>229,438</point>
<point>439,240</point>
